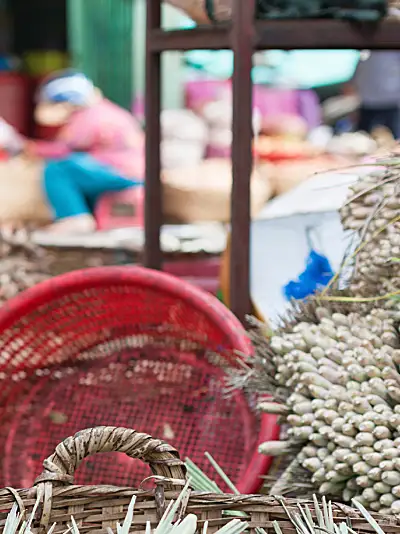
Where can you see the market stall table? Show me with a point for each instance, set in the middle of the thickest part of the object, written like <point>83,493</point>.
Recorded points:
<point>189,251</point>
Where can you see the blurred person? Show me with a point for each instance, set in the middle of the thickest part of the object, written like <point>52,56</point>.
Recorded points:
<point>99,149</point>
<point>376,81</point>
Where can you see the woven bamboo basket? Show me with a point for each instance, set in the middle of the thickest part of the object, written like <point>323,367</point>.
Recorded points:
<point>202,193</point>
<point>95,508</point>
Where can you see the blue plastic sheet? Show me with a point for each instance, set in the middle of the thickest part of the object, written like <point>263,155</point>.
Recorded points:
<point>317,274</point>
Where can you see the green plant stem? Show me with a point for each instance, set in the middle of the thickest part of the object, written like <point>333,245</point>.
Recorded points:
<point>360,299</point>
<point>358,249</point>
<point>222,473</point>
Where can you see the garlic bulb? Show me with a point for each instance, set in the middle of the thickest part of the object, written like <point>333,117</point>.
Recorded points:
<point>22,264</point>
<point>335,368</point>
<point>372,212</point>
<point>358,426</point>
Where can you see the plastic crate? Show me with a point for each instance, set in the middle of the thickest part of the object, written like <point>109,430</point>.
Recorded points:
<point>121,210</point>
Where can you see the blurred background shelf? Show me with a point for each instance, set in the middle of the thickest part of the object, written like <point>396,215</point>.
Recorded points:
<point>243,36</point>
<point>285,35</point>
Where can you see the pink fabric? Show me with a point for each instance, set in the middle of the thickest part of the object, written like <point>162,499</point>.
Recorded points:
<point>214,151</point>
<point>310,108</point>
<point>271,101</point>
<point>51,149</point>
<point>268,100</point>
<point>138,109</point>
<point>105,131</point>
<point>200,92</point>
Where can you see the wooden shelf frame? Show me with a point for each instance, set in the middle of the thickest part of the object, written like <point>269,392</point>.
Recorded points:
<point>243,36</point>
<point>285,35</point>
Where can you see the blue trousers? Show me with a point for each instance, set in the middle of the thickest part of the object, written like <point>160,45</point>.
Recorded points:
<point>74,184</point>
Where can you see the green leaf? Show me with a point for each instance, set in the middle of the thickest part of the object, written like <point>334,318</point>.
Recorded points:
<point>277,528</point>
<point>12,521</point>
<point>129,516</point>
<point>368,517</point>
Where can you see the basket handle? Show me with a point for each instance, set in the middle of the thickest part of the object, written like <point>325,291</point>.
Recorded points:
<point>61,465</point>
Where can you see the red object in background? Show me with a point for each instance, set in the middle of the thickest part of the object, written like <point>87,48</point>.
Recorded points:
<point>129,347</point>
<point>121,210</point>
<point>45,133</point>
<point>268,100</point>
<point>276,156</point>
<point>203,273</point>
<point>126,209</point>
<point>15,100</point>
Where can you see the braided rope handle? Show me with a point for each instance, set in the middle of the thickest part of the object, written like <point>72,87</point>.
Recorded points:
<point>61,465</point>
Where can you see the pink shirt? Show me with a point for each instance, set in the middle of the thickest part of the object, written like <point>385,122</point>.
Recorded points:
<point>105,131</point>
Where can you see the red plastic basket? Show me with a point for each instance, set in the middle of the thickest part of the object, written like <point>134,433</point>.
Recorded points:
<point>126,347</point>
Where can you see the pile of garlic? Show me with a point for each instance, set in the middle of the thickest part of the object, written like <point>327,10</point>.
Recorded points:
<point>337,375</point>
<point>340,378</point>
<point>22,264</point>
<point>373,212</point>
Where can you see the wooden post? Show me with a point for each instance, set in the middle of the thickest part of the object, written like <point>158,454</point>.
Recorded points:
<point>153,192</point>
<point>242,37</point>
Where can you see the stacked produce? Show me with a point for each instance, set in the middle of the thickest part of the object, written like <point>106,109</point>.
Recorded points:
<point>333,368</point>
<point>373,211</point>
<point>339,383</point>
<point>22,264</point>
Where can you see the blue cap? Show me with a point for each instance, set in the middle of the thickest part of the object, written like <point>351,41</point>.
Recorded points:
<point>68,86</point>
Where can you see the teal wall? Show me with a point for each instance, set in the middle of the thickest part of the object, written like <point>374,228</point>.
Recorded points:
<point>107,42</point>
<point>100,35</point>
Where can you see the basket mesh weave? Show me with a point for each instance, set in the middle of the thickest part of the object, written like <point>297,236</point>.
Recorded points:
<point>128,347</point>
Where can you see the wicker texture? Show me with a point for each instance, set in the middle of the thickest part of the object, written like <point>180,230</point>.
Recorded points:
<point>97,507</point>
<point>62,464</point>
